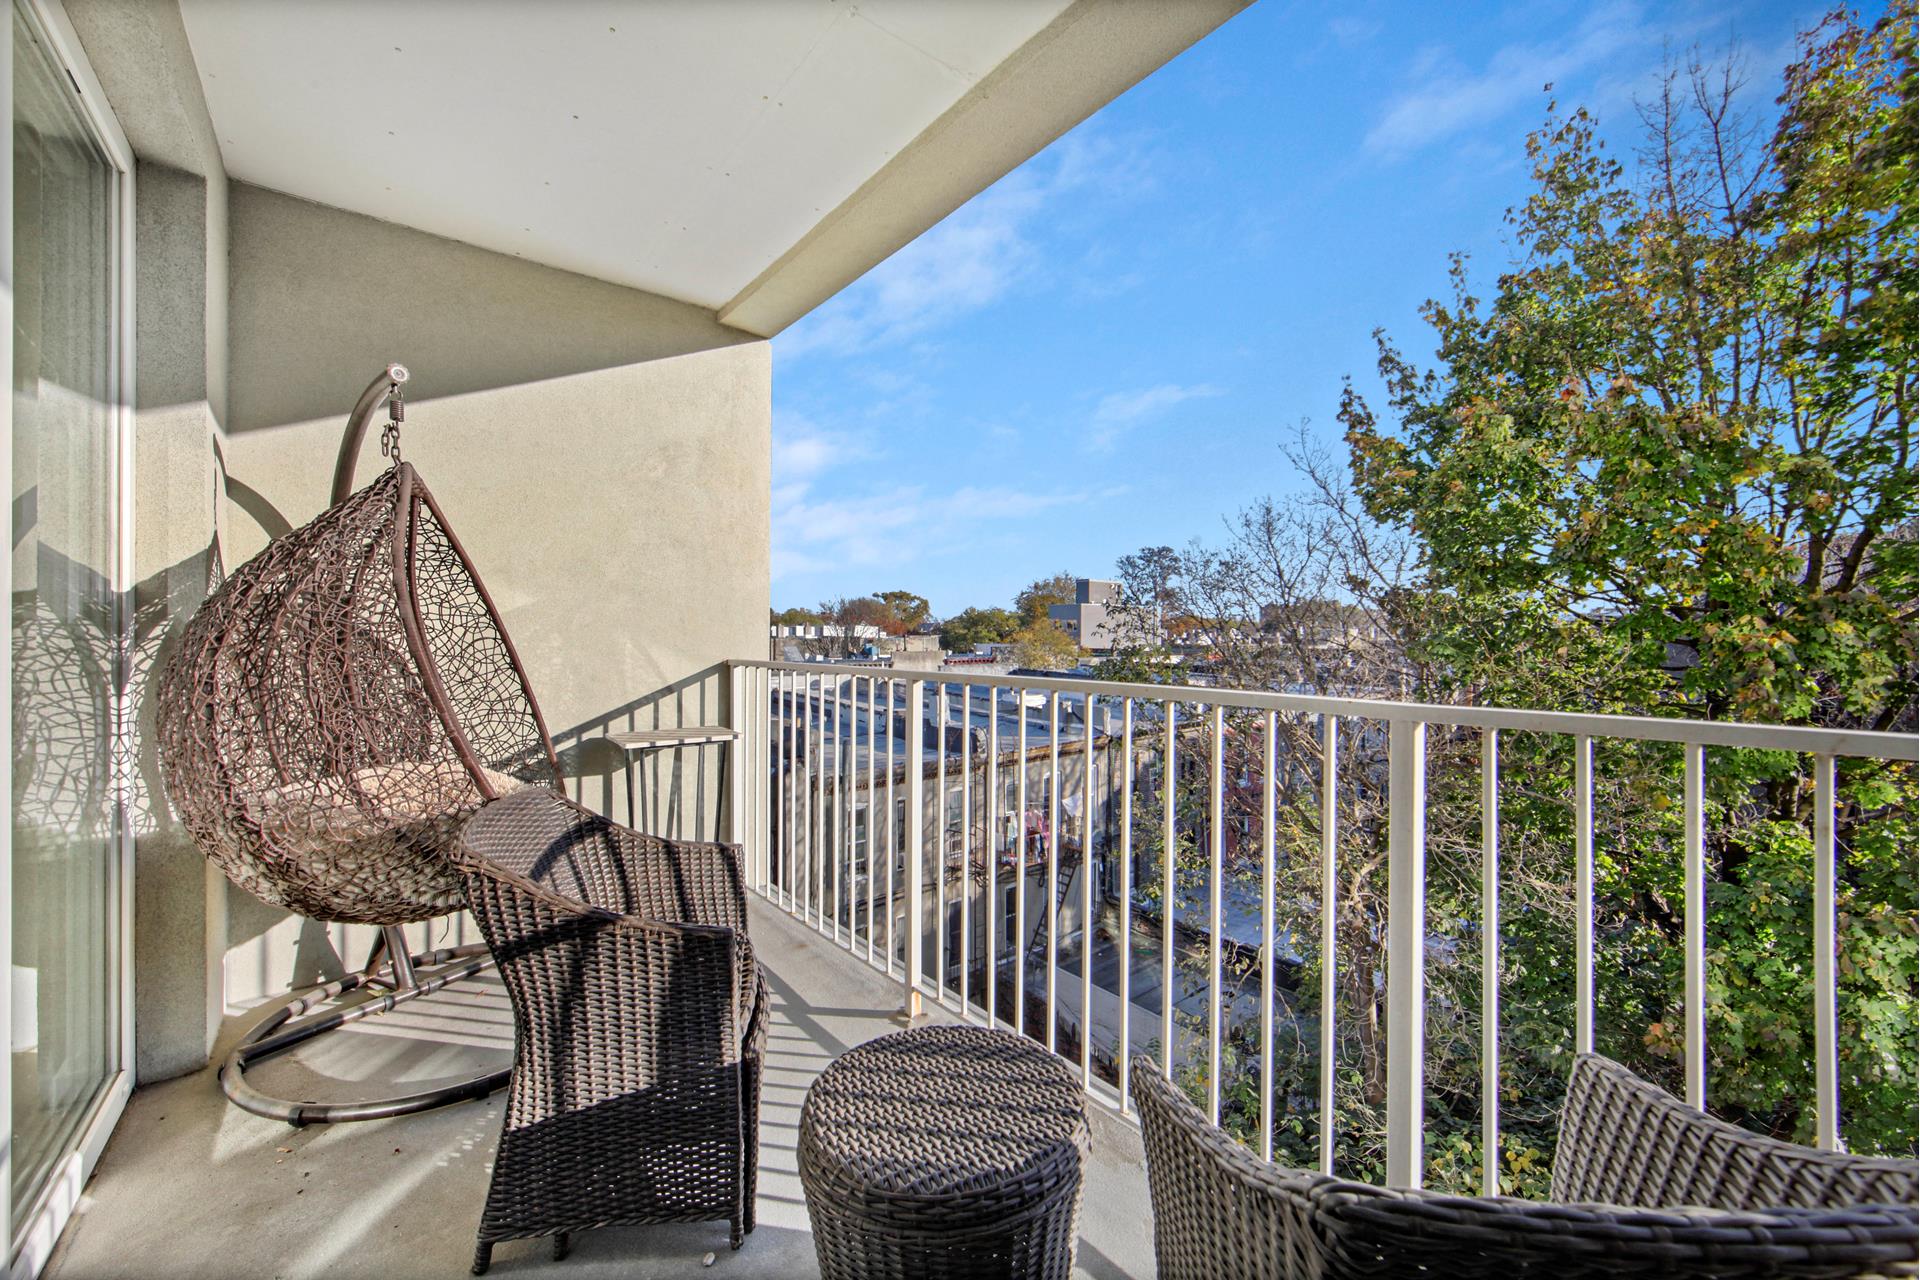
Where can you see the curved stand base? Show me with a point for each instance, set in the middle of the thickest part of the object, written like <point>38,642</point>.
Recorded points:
<point>279,1031</point>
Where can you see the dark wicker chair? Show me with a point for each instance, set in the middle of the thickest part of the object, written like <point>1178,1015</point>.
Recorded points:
<point>1643,1185</point>
<point>640,1023</point>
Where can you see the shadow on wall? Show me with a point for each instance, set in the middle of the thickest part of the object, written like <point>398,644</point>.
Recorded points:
<point>170,871</point>
<point>318,290</point>
<point>171,880</point>
<point>680,792</point>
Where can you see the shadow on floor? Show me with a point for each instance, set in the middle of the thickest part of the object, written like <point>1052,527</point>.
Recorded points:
<point>191,1187</point>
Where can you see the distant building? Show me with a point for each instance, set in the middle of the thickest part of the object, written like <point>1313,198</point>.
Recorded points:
<point>1093,620</point>
<point>862,631</point>
<point>806,642</point>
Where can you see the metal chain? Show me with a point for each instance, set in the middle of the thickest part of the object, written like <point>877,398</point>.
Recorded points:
<point>390,434</point>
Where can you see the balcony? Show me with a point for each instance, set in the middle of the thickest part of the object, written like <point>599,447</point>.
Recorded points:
<point>581,226</point>
<point>846,917</point>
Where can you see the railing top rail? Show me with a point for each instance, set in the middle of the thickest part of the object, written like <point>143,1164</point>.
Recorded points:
<point>1863,743</point>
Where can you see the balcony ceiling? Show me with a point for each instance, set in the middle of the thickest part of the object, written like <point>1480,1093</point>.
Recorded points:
<point>694,150</point>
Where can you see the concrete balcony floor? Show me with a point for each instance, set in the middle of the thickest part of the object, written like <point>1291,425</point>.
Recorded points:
<point>190,1186</point>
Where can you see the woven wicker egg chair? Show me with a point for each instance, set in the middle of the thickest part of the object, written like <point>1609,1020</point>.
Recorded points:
<point>329,718</point>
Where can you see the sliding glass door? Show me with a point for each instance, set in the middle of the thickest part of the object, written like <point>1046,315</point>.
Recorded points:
<point>68,905</point>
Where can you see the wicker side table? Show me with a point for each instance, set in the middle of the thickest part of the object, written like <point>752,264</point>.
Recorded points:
<point>944,1151</point>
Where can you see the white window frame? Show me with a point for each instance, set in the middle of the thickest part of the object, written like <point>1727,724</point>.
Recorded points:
<point>32,1237</point>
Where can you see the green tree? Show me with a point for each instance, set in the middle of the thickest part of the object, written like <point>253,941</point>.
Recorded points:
<point>974,626</point>
<point>911,609</point>
<point>1031,604</point>
<point>863,611</point>
<point>1044,646</point>
<point>795,617</point>
<point>1674,452</point>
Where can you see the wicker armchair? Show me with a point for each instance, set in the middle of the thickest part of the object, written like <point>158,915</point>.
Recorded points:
<point>640,1023</point>
<point>1635,1167</point>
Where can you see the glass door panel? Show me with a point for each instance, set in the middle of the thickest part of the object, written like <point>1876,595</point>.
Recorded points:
<point>66,618</point>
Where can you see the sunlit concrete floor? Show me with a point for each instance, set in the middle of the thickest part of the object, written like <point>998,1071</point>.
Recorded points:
<point>191,1186</point>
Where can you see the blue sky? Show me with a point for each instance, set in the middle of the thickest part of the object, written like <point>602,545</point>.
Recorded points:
<point>1102,351</point>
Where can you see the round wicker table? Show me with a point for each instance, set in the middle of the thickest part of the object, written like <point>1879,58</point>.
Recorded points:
<point>944,1151</point>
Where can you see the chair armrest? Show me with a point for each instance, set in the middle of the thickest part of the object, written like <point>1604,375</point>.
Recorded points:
<point>701,882</point>
<point>1218,1210</point>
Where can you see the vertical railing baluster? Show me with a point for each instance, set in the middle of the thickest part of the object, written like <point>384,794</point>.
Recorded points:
<point>1053,867</point>
<point>1169,975</point>
<point>1489,962</point>
<point>768,771</point>
<point>836,780</point>
<point>873,808</point>
<point>893,846</point>
<point>995,913</point>
<point>852,808</point>
<point>823,816</point>
<point>1020,941</point>
<point>1086,895</point>
<point>736,721</point>
<point>795,740</point>
<point>1826,1017</point>
<point>1583,998</point>
<point>813,805</point>
<point>1268,797</point>
<point>915,852</point>
<point>1694,806</point>
<point>1329,936</point>
<point>966,848</point>
<point>1216,866</point>
<point>940,844</point>
<point>1126,903</point>
<point>1406,946</point>
<point>744,755</point>
<point>854,797</point>
<point>789,782</point>
<point>776,797</point>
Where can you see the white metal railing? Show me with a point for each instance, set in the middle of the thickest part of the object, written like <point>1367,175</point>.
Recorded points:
<point>830,797</point>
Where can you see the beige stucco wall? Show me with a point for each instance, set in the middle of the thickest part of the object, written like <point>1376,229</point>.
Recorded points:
<point>602,453</point>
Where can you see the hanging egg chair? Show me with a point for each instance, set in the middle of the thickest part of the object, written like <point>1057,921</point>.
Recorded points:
<point>331,715</point>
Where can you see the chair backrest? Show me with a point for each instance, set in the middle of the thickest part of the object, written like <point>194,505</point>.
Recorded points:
<point>1625,1140</point>
<point>567,849</point>
<point>1219,1211</point>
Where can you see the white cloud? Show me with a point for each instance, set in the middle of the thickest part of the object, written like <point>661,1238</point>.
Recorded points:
<point>972,258</point>
<point>1121,411</point>
<point>802,450</point>
<point>893,526</point>
<point>1350,31</point>
<point>1447,98</point>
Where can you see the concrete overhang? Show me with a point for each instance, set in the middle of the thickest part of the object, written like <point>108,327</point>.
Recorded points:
<point>752,158</point>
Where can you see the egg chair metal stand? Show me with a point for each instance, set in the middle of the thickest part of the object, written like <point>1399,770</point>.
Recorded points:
<point>332,714</point>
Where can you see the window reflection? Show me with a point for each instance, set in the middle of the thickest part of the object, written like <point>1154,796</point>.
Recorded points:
<point>66,618</point>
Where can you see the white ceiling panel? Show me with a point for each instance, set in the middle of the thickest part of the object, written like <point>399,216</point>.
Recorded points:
<point>674,146</point>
